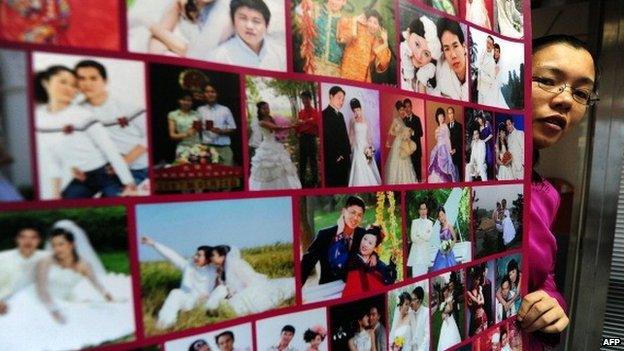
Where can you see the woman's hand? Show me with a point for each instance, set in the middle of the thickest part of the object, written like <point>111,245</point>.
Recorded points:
<point>146,240</point>
<point>541,312</point>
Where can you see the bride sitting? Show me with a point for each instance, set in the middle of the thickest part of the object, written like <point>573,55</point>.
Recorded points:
<point>73,304</point>
<point>242,288</point>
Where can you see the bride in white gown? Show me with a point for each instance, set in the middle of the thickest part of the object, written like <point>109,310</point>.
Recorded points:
<point>403,323</point>
<point>364,171</point>
<point>242,288</point>
<point>449,332</point>
<point>74,302</point>
<point>271,166</point>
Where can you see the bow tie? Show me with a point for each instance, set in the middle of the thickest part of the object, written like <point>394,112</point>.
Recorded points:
<point>123,122</point>
<point>68,129</point>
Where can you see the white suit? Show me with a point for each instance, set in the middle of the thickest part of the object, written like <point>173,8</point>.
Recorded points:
<point>476,166</point>
<point>515,142</point>
<point>17,271</point>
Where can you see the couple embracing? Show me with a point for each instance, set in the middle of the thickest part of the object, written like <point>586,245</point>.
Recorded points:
<point>218,275</point>
<point>346,252</point>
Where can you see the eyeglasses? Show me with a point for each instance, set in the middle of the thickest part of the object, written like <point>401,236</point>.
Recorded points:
<point>582,96</point>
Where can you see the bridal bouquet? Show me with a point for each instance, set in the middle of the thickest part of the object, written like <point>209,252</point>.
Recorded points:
<point>198,153</point>
<point>446,245</point>
<point>369,152</point>
<point>397,343</point>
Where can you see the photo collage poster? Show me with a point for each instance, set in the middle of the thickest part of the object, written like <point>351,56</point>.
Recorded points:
<point>305,175</point>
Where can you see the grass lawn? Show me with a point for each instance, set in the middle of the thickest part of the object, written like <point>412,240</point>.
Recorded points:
<point>116,262</point>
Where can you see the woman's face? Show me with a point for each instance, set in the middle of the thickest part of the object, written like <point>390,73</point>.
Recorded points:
<point>422,210</point>
<point>404,308</point>
<point>442,217</point>
<point>217,259</point>
<point>364,322</point>
<point>480,121</point>
<point>62,247</point>
<point>200,259</point>
<point>372,23</point>
<point>367,245</point>
<point>61,87</point>
<point>505,288</point>
<point>357,112</point>
<point>422,54</point>
<point>513,275</point>
<point>440,118</point>
<point>554,115</point>
<point>317,341</point>
<point>501,134</point>
<point>186,103</point>
<point>264,110</point>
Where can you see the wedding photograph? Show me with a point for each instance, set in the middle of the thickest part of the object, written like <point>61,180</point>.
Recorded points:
<point>444,142</point>
<point>479,297</point>
<point>450,7</point>
<point>90,127</point>
<point>235,338</point>
<point>408,313</point>
<point>496,71</point>
<point>479,12</point>
<point>509,18</point>
<point>497,213</point>
<point>64,268</point>
<point>353,40</point>
<point>508,293</point>
<point>359,325</point>
<point>509,147</point>
<point>351,136</point>
<point>438,223</point>
<point>300,331</point>
<point>504,337</point>
<point>213,31</point>
<point>92,24</point>
<point>196,130</point>
<point>283,133</point>
<point>403,126</point>
<point>447,310</point>
<point>16,172</point>
<point>480,140</point>
<point>198,266</point>
<point>351,244</point>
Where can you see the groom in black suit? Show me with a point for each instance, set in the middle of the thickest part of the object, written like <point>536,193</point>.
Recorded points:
<point>336,144</point>
<point>413,122</point>
<point>455,129</point>
<point>347,229</point>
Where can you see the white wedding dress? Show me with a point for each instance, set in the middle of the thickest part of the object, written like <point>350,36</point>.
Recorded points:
<point>449,332</point>
<point>89,319</point>
<point>504,171</point>
<point>405,332</point>
<point>362,341</point>
<point>250,292</point>
<point>363,171</point>
<point>271,166</point>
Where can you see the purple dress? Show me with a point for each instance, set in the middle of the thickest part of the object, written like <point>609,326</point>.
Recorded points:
<point>444,259</point>
<point>441,166</point>
<point>489,145</point>
<point>543,249</point>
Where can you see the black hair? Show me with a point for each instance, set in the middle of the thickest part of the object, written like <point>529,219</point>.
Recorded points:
<point>398,104</point>
<point>259,105</point>
<point>191,10</point>
<point>419,292</point>
<point>185,94</point>
<point>441,209</point>
<point>221,250</point>
<point>335,90</point>
<point>503,331</point>
<point>404,296</point>
<point>511,265</point>
<point>288,328</point>
<point>92,64</point>
<point>41,94</point>
<point>498,142</point>
<point>407,101</point>
<point>548,40</point>
<point>310,334</point>
<point>496,46</point>
<point>196,343</point>
<point>306,94</point>
<point>206,85</point>
<point>451,108</point>
<point>439,111</point>
<point>416,26</point>
<point>227,332</point>
<point>490,37</point>
<point>374,13</point>
<point>376,231</point>
<point>355,103</point>
<point>257,5</point>
<point>448,25</point>
<point>207,250</point>
<point>67,235</point>
<point>34,228</point>
<point>506,279</point>
<point>354,200</point>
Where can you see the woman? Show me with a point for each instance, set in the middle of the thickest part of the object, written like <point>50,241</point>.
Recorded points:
<point>403,324</point>
<point>445,257</point>
<point>509,19</point>
<point>242,288</point>
<point>314,337</point>
<point>66,304</point>
<point>509,231</point>
<point>420,234</point>
<point>477,13</point>
<point>363,338</point>
<point>179,26</point>
<point>441,167</point>
<point>515,277</point>
<point>476,303</point>
<point>560,100</point>
<point>362,276</point>
<point>199,345</point>
<point>271,166</point>
<point>184,125</point>
<point>420,49</point>
<point>486,134</point>
<point>399,168</point>
<point>364,171</point>
<point>449,332</point>
<point>74,150</point>
<point>503,157</point>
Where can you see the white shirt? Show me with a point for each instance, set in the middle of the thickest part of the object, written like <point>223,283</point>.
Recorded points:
<point>72,138</point>
<point>199,281</point>
<point>515,142</point>
<point>17,271</point>
<point>420,331</point>
<point>236,52</point>
<point>448,83</point>
<point>125,137</point>
<point>487,75</point>
<point>477,153</point>
<point>222,118</point>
